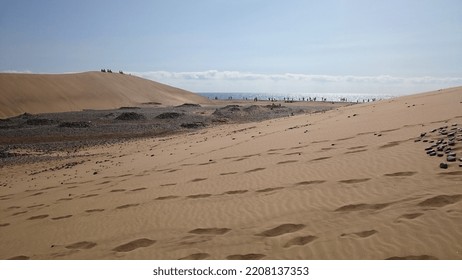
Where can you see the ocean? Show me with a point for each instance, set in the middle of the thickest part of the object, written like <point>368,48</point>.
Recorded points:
<point>346,97</point>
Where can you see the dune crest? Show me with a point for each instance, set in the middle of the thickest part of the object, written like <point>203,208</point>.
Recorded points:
<point>49,93</point>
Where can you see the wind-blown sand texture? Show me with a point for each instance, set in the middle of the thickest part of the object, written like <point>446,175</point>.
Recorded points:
<point>46,93</point>
<point>351,183</point>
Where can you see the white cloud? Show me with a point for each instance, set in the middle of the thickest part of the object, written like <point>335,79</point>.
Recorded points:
<point>236,81</point>
<point>16,72</point>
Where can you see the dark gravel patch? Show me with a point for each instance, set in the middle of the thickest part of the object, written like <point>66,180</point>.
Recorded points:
<point>130,116</point>
<point>169,115</point>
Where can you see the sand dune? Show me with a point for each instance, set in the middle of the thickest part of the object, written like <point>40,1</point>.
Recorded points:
<point>351,183</point>
<point>46,93</point>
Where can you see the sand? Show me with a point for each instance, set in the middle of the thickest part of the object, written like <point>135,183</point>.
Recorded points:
<point>47,93</point>
<point>350,183</point>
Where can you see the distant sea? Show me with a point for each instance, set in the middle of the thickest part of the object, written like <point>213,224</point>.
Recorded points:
<point>349,97</point>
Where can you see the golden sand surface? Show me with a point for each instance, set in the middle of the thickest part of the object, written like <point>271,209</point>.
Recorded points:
<point>350,183</point>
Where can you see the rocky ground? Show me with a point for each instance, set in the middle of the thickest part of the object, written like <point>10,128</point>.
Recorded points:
<point>28,137</point>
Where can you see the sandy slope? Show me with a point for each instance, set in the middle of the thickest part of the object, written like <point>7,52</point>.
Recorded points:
<point>346,184</point>
<point>45,93</point>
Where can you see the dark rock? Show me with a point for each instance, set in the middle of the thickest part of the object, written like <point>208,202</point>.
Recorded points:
<point>231,107</point>
<point>193,125</point>
<point>440,155</point>
<point>423,134</point>
<point>130,116</point>
<point>129,108</point>
<point>443,165</point>
<point>40,122</point>
<point>169,115</point>
<point>254,109</point>
<point>75,124</point>
<point>188,105</point>
<point>451,159</point>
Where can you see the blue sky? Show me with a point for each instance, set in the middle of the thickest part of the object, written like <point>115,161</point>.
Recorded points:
<point>254,45</point>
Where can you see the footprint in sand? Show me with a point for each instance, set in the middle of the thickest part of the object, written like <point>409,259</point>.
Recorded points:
<point>138,189</point>
<point>81,245</point>
<point>4,225</point>
<point>321,158</point>
<point>210,231</point>
<point>356,151</point>
<point>246,257</point>
<point>294,153</point>
<point>104,183</point>
<point>306,183</point>
<point>356,147</point>
<point>89,195</point>
<point>19,213</point>
<point>236,192</point>
<point>300,241</point>
<point>168,185</point>
<point>268,189</point>
<point>20,258</point>
<point>275,150</point>
<point>401,174</point>
<point>452,173</point>
<point>195,239</point>
<point>197,256</point>
<point>421,257</point>
<point>361,234</point>
<point>127,206</point>
<point>118,190</point>
<point>61,217</point>
<point>198,180</point>
<point>38,217</point>
<point>390,144</point>
<point>361,206</point>
<point>135,244</point>
<point>34,206</point>
<point>282,229</point>
<point>287,161</point>
<point>196,196</point>
<point>440,200</point>
<point>167,197</point>
<point>35,194</point>
<point>410,216</point>
<point>255,170</point>
<point>94,210</point>
<point>227,173</point>
<point>354,181</point>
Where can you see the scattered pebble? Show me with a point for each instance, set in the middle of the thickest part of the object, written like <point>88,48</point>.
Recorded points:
<point>451,158</point>
<point>445,142</point>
